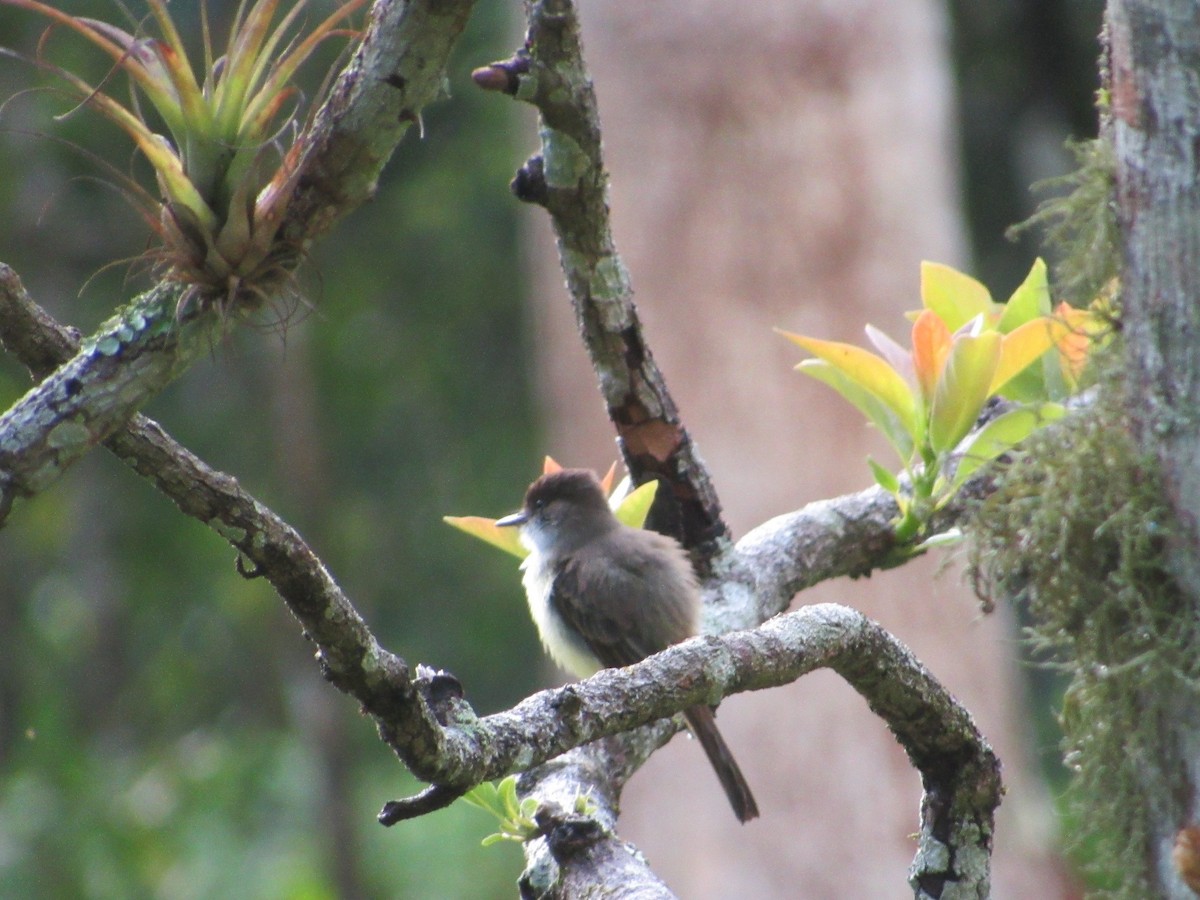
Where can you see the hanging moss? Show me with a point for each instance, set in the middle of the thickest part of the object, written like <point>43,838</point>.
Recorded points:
<point>1077,531</point>
<point>1080,223</point>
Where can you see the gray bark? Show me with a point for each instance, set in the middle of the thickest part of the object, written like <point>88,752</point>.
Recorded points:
<point>1155,126</point>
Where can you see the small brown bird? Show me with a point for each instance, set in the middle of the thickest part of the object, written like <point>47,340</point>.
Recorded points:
<point>603,594</point>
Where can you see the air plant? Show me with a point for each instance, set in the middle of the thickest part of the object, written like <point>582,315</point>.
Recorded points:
<point>224,170</point>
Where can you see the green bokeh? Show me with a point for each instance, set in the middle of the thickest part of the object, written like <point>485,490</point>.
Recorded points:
<point>164,730</point>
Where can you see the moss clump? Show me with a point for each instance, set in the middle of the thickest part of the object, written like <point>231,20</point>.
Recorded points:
<point>1078,530</point>
<point>1080,223</point>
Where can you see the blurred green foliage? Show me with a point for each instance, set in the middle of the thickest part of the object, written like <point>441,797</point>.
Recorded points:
<point>164,731</point>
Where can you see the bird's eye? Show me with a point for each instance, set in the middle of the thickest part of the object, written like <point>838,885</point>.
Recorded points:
<point>539,504</point>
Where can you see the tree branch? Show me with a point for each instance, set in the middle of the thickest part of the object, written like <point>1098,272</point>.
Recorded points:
<point>848,536</point>
<point>132,357</point>
<point>438,736</point>
<point>568,179</point>
<point>959,772</point>
<point>398,70</point>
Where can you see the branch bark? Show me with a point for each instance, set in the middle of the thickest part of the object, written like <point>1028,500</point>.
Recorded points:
<point>350,657</point>
<point>568,179</point>
<point>438,736</point>
<point>959,772</point>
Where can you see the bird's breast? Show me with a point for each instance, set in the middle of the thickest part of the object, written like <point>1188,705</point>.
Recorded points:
<point>562,642</point>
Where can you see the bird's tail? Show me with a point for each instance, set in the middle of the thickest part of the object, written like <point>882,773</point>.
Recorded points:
<point>704,727</point>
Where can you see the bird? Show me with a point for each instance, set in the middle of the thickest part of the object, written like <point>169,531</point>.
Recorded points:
<point>603,594</point>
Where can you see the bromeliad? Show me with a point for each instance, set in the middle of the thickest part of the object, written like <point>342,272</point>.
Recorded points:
<point>219,141</point>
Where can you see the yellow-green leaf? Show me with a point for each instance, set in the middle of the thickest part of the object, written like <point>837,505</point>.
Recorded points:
<point>486,797</point>
<point>1024,345</point>
<point>898,433</point>
<point>963,388</point>
<point>868,371</point>
<point>636,505</point>
<point>507,539</point>
<point>1029,301</point>
<point>956,298</point>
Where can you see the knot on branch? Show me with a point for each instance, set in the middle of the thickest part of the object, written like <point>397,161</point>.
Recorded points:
<point>504,76</point>
<point>529,184</point>
<point>443,693</point>
<point>567,833</point>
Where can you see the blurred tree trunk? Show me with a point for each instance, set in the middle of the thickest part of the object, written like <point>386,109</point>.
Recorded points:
<point>788,164</point>
<point>1155,57</point>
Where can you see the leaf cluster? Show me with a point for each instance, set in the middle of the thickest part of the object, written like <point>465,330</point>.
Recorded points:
<point>966,349</point>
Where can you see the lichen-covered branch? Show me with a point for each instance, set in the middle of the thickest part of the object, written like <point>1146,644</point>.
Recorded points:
<point>569,180</point>
<point>750,582</point>
<point>960,774</point>
<point>397,70</point>
<point>848,536</point>
<point>93,398</point>
<point>130,359</point>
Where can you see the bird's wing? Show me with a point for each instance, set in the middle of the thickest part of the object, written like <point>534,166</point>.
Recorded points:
<point>648,579</point>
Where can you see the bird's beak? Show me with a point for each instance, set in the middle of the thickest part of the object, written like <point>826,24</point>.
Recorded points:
<point>517,518</point>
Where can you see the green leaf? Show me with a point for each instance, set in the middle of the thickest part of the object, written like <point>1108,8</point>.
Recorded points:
<point>1000,435</point>
<point>507,539</point>
<point>883,477</point>
<point>508,794</point>
<point>954,297</point>
<point>636,506</point>
<point>484,796</point>
<point>877,412</point>
<point>1029,301</point>
<point>963,388</point>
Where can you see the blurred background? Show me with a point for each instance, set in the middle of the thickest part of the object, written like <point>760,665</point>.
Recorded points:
<point>164,731</point>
